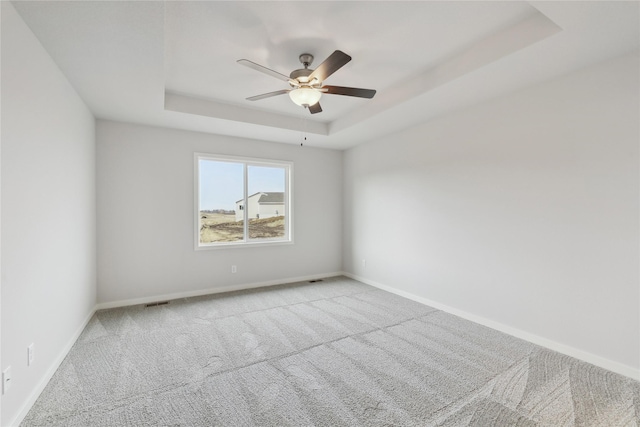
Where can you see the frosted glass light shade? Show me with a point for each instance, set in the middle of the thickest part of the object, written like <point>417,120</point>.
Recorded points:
<point>305,96</point>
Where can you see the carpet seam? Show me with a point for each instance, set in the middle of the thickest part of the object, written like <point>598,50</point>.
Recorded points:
<point>171,387</point>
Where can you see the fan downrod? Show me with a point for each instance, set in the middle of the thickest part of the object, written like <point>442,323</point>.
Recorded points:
<point>306,59</point>
<point>301,74</point>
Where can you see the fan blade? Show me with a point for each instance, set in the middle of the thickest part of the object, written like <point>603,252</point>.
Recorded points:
<point>350,91</point>
<point>262,69</point>
<point>268,95</point>
<point>315,108</point>
<point>333,63</point>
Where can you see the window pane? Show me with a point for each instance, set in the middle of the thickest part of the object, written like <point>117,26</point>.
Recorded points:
<point>266,202</point>
<point>221,201</point>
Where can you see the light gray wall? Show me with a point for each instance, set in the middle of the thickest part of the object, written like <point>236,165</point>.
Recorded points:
<point>523,211</point>
<point>48,212</point>
<point>146,214</point>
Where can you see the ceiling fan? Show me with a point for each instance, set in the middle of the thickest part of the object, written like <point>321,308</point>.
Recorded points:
<point>306,84</point>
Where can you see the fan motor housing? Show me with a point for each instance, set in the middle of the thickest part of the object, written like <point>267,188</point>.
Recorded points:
<point>303,72</point>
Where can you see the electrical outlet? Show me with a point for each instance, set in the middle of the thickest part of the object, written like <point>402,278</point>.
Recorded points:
<point>6,380</point>
<point>364,263</point>
<point>234,269</point>
<point>30,354</point>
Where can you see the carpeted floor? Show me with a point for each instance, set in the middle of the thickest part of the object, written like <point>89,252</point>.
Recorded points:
<point>331,353</point>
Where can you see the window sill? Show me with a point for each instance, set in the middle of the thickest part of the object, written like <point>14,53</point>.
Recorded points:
<point>230,245</point>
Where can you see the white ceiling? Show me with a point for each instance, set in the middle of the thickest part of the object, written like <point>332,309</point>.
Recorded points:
<point>173,64</point>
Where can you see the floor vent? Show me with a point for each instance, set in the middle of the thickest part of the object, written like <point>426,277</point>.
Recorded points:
<point>155,304</point>
<point>314,281</point>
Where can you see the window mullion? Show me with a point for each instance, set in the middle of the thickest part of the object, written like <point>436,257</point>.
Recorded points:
<point>246,203</point>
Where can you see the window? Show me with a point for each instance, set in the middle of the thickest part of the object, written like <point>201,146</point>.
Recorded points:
<point>242,201</point>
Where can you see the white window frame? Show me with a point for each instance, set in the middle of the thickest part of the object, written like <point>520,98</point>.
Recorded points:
<point>246,162</point>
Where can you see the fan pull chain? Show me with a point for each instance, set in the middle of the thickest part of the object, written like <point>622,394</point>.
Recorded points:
<point>303,135</point>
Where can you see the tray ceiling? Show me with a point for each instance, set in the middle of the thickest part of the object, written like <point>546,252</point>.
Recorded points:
<point>173,64</point>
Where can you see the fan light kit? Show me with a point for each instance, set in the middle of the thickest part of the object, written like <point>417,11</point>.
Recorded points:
<point>305,96</point>
<point>306,84</point>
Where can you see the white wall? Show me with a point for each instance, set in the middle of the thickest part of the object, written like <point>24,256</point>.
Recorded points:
<point>146,214</point>
<point>522,211</point>
<point>48,212</point>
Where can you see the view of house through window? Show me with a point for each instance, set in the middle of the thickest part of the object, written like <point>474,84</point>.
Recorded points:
<point>242,200</point>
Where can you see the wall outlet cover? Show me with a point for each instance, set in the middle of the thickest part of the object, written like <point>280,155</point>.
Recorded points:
<point>6,380</point>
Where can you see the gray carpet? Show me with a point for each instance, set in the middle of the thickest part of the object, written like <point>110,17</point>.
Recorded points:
<point>331,353</point>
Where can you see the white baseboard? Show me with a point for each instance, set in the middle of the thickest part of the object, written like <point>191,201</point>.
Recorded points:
<point>209,291</point>
<point>24,410</point>
<point>585,356</point>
